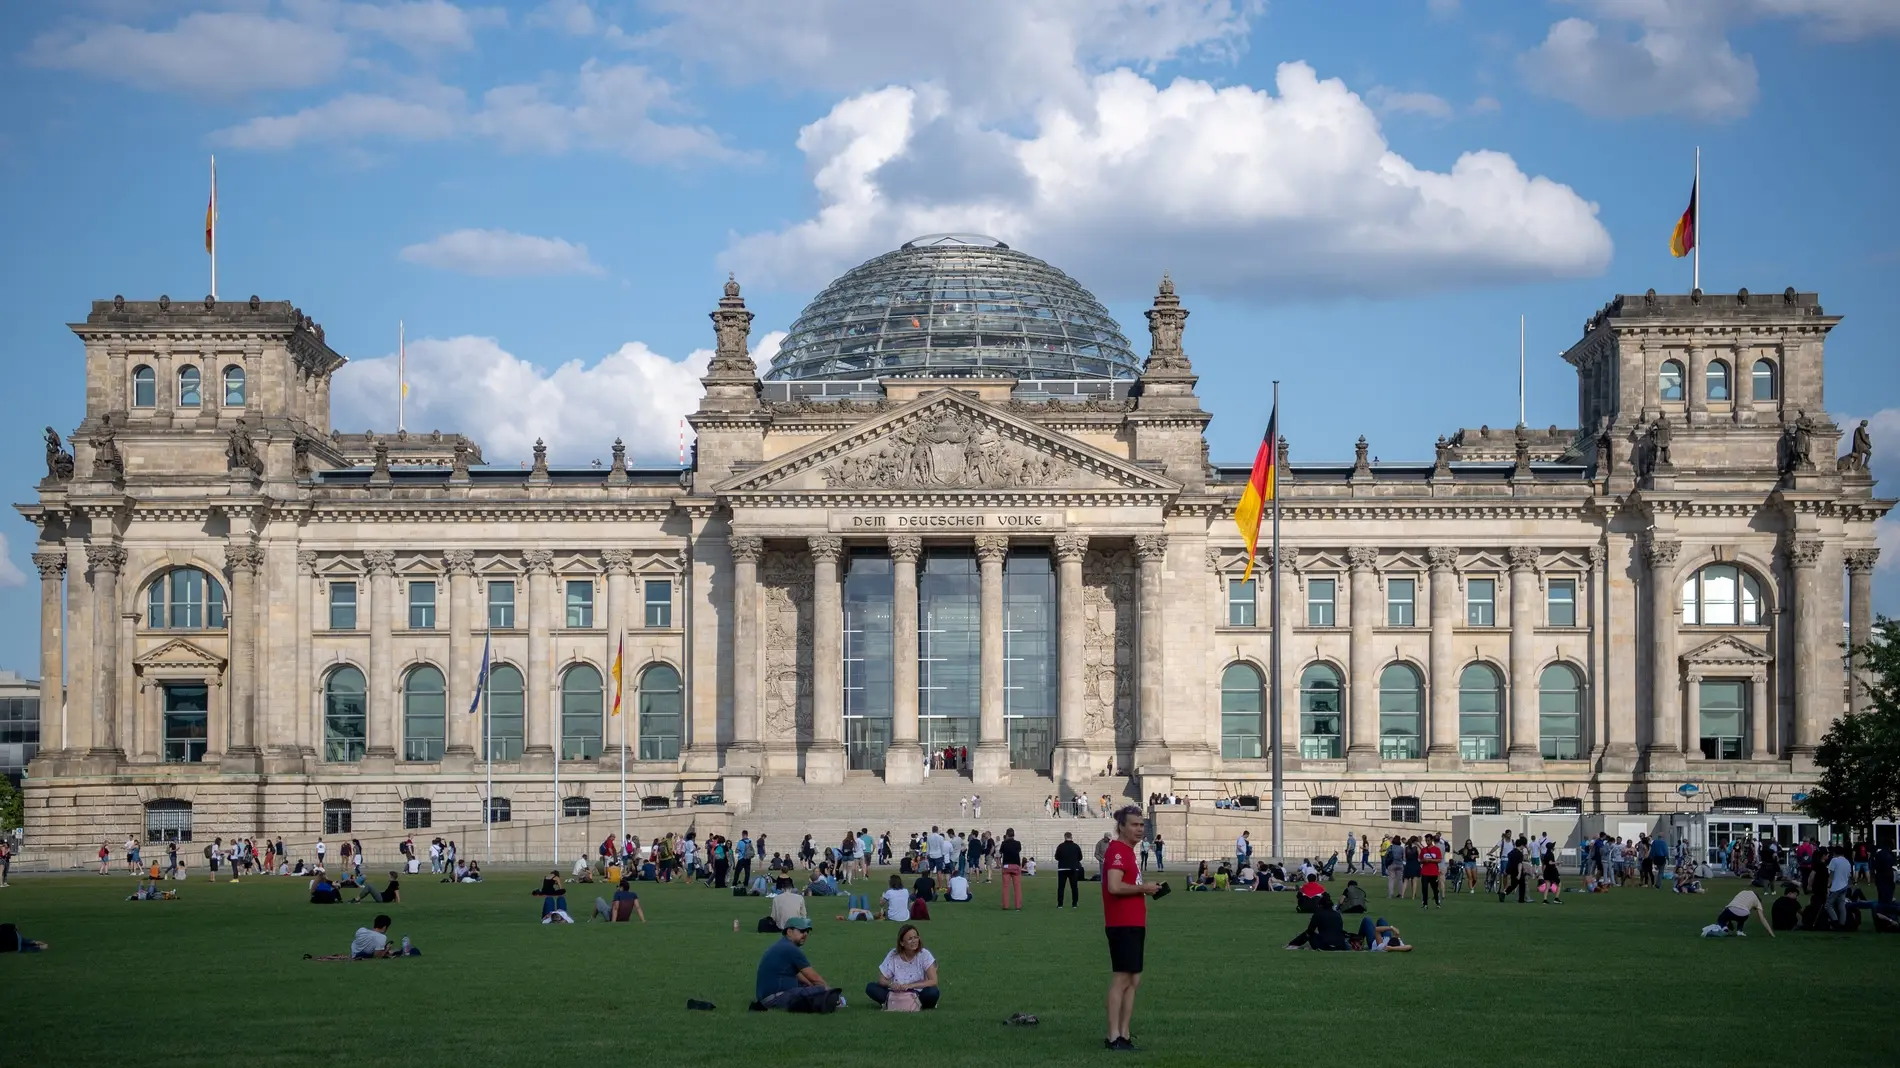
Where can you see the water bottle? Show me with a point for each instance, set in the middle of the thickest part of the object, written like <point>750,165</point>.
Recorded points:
<point>405,945</point>
<point>735,927</point>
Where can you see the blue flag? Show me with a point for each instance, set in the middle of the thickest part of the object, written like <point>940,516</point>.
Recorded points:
<point>481,678</point>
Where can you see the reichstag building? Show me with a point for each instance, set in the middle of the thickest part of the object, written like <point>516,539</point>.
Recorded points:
<point>956,512</point>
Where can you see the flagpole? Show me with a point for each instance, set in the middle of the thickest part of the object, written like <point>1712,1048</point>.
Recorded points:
<point>1273,726</point>
<point>1696,269</point>
<point>488,762</point>
<point>402,375</point>
<point>559,745</point>
<point>618,687</point>
<point>1520,369</point>
<point>214,228</point>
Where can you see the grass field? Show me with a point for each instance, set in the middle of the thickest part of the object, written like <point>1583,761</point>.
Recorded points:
<point>217,978</point>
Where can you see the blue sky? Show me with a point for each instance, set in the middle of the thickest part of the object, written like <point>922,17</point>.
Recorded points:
<point>1357,199</point>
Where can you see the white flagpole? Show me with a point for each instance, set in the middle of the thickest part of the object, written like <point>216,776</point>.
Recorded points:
<point>1696,269</point>
<point>1274,705</point>
<point>214,228</point>
<point>559,744</point>
<point>488,754</point>
<point>619,689</point>
<point>1520,369</point>
<point>402,375</point>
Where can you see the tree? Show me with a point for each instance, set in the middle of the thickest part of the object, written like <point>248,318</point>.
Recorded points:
<point>1859,756</point>
<point>12,806</point>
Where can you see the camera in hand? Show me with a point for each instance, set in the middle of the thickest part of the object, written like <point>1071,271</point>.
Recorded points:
<point>1164,891</point>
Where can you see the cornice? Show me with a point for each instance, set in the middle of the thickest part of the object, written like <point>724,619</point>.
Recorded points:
<point>949,499</point>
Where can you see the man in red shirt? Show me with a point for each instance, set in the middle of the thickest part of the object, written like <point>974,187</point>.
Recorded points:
<point>1125,914</point>
<point>1429,859</point>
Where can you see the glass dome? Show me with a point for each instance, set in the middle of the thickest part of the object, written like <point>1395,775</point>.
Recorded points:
<point>954,305</point>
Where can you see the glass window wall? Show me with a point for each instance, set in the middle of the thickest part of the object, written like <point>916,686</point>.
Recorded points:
<point>868,600</point>
<point>1029,657</point>
<point>949,639</point>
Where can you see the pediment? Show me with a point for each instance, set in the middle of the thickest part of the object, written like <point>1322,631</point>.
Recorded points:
<point>1727,649</point>
<point>178,654</point>
<point>948,442</point>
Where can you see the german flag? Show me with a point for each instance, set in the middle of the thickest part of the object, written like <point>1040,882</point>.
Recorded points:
<point>1253,499</point>
<point>211,210</point>
<point>1683,239</point>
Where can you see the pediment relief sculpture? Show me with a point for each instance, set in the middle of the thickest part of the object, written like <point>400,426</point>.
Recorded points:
<point>948,450</point>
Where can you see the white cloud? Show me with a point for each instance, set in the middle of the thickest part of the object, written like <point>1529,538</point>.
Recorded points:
<point>1485,105</point>
<point>350,117</point>
<point>10,573</point>
<point>573,17</point>
<point>1391,101</point>
<point>501,254</point>
<point>422,25</point>
<point>1443,9</point>
<point>1680,68</point>
<point>1241,192</point>
<point>219,52</point>
<point>473,385</point>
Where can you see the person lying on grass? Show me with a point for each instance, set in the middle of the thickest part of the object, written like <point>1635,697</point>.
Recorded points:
<point>391,895</point>
<point>12,941</point>
<point>1380,937</point>
<point>372,943</point>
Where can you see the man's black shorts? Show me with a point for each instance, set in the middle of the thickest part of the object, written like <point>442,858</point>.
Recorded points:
<point>1124,948</point>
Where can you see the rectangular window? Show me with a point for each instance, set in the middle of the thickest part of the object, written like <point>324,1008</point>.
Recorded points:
<point>422,606</point>
<point>501,605</point>
<point>580,604</point>
<point>186,722</point>
<point>342,606</point>
<point>1562,603</point>
<point>659,602</point>
<point>1319,602</point>
<point>1240,602</point>
<point>1401,602</point>
<point>1481,602</point>
<point>1724,710</point>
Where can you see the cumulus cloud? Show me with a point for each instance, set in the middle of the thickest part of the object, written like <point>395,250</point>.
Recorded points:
<point>1247,193</point>
<point>10,573</point>
<point>573,17</point>
<point>419,25</point>
<point>501,254</point>
<point>610,109</point>
<point>214,52</point>
<point>351,117</point>
<point>1392,101</point>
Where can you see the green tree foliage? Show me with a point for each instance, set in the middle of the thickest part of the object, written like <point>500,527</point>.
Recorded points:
<point>12,806</point>
<point>1859,756</point>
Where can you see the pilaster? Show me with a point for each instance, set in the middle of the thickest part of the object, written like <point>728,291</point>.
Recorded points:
<point>904,761</point>
<point>1152,756</point>
<point>1525,752</point>
<point>1362,711</point>
<point>825,758</point>
<point>1071,761</point>
<point>1441,722</point>
<point>990,762</point>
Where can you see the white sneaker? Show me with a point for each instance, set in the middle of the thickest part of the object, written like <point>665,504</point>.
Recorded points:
<point>1741,934</point>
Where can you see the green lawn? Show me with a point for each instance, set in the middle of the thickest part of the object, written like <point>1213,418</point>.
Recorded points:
<point>217,978</point>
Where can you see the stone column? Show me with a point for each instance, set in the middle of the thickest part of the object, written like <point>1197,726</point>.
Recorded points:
<point>1742,384</point>
<point>52,567</point>
<point>1695,386</point>
<point>990,762</point>
<point>1692,702</point>
<point>299,742</point>
<point>460,752</point>
<point>744,756</point>
<point>540,720</point>
<point>1362,713</point>
<point>105,562</point>
<point>380,736</point>
<point>1665,691</point>
<point>78,717</point>
<point>1441,722</point>
<point>620,740</point>
<point>1619,623</point>
<point>1072,762</point>
<point>1152,756</point>
<point>1525,752</point>
<point>1817,660</point>
<point>825,759</point>
<point>904,761</point>
<point>1860,621</point>
<point>1292,615</point>
<point>1758,716</point>
<point>243,561</point>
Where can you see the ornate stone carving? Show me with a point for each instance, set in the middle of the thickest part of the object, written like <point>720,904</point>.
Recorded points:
<point>383,561</point>
<point>108,558</point>
<point>538,561</point>
<point>1289,558</point>
<point>459,562</point>
<point>59,462</point>
<point>540,465</point>
<point>1857,559</point>
<point>1056,406</point>
<point>1213,559</point>
<point>1797,445</point>
<point>1150,547</point>
<point>246,558</point>
<point>107,464</point>
<point>1858,457</point>
<point>992,547</point>
<point>1661,553</point>
<point>51,565</point>
<point>950,451</point>
<point>1442,558</point>
<point>785,582</point>
<point>826,547</point>
<point>458,467</point>
<point>1804,552</point>
<point>1521,454</point>
<point>1071,546</point>
<point>240,452</point>
<point>907,548</point>
<point>306,562</point>
<point>1361,467</point>
<point>1166,322</point>
<point>1362,557</point>
<point>1441,461</point>
<point>1108,647</point>
<point>1599,556</point>
<point>617,469</point>
<point>617,561</point>
<point>813,406</point>
<point>747,547</point>
<point>1522,557</point>
<point>731,323</point>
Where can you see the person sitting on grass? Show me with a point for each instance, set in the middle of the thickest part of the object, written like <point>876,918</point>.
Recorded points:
<point>625,906</point>
<point>1735,914</point>
<point>1353,898</point>
<point>1325,932</point>
<point>582,873</point>
<point>372,943</point>
<point>1685,880</point>
<point>897,901</point>
<point>786,980</point>
<point>1247,879</point>
<point>786,903</point>
<point>324,892</point>
<point>823,884</point>
<point>392,894</point>
<point>1381,937</point>
<point>474,872</point>
<point>907,979</point>
<point>1311,894</point>
<point>553,895</point>
<point>1786,914</point>
<point>959,889</point>
<point>926,888</point>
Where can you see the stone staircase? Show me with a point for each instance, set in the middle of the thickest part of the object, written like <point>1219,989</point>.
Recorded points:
<point>786,810</point>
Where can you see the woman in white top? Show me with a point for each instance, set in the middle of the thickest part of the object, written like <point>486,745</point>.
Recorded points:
<point>908,969</point>
<point>897,901</point>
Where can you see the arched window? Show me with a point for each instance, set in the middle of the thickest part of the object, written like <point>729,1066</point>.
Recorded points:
<point>580,713</point>
<point>417,814</point>
<point>1716,380</point>
<point>167,820</point>
<point>574,807</point>
<point>190,393</point>
<point>1486,806</point>
<point>424,713</point>
<point>1241,698</point>
<point>504,702</point>
<point>336,817</point>
<point>1400,696</point>
<point>661,713</point>
<point>1560,713</point>
<point>1480,702</point>
<point>1320,689</point>
<point>499,810</point>
<point>1721,595</point>
<point>1572,806</point>
<point>344,715</point>
<point>1405,810</point>
<point>1669,381</point>
<point>234,386</point>
<point>144,387</point>
<point>1324,806</point>
<point>184,598</point>
<point>1765,380</point>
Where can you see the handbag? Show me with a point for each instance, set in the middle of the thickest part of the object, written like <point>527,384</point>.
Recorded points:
<point>902,1001</point>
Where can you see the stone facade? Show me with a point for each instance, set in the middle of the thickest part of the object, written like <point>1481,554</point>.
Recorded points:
<point>329,645</point>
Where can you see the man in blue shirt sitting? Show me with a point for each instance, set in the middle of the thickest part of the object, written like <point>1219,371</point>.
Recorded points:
<point>786,978</point>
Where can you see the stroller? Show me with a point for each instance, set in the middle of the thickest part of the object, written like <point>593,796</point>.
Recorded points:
<point>1326,869</point>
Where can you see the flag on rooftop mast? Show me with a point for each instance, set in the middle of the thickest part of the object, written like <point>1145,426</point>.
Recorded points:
<point>211,227</point>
